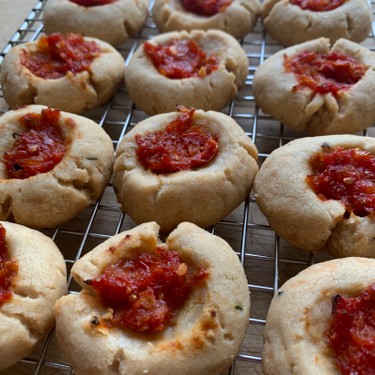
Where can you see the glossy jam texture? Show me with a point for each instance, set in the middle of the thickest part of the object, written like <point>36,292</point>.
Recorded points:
<point>346,175</point>
<point>39,148</point>
<point>181,59</point>
<point>318,5</point>
<point>181,146</point>
<point>59,54</point>
<point>8,269</point>
<point>206,8</point>
<point>145,292</point>
<point>351,333</point>
<point>324,72</point>
<point>92,3</point>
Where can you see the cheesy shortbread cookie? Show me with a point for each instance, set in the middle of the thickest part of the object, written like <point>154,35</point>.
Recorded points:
<point>297,21</point>
<point>112,21</point>
<point>321,321</point>
<point>318,193</point>
<point>148,307</point>
<point>201,69</point>
<point>236,17</point>
<point>32,278</point>
<point>53,165</point>
<point>68,72</point>
<point>321,90</point>
<point>184,166</point>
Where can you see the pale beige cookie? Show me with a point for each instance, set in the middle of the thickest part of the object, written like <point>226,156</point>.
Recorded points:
<point>298,214</point>
<point>350,111</point>
<point>51,198</point>
<point>155,93</point>
<point>289,24</point>
<point>27,317</point>
<point>113,23</point>
<point>238,19</point>
<point>208,329</point>
<point>300,312</point>
<point>202,196</point>
<point>74,92</point>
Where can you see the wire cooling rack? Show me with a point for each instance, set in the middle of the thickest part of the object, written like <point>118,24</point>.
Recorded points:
<point>268,261</point>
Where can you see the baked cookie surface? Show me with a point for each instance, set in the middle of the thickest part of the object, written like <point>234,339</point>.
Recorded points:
<point>27,316</point>
<point>113,23</point>
<point>299,215</point>
<point>300,312</point>
<point>51,198</point>
<point>290,24</point>
<point>277,90</point>
<point>203,195</point>
<point>207,330</point>
<point>237,19</point>
<point>156,93</point>
<point>74,92</point>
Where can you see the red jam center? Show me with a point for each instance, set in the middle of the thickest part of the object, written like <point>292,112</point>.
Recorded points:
<point>206,7</point>
<point>324,72</point>
<point>318,5</point>
<point>8,269</point>
<point>92,3</point>
<point>351,333</point>
<point>58,54</point>
<point>181,59</point>
<point>38,149</point>
<point>347,176</point>
<point>181,146</point>
<point>146,291</point>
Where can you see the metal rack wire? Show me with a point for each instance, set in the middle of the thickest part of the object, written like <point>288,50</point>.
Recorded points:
<point>268,261</point>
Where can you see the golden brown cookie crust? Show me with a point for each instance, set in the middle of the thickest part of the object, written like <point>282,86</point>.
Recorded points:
<point>209,328</point>
<point>28,316</point>
<point>289,24</point>
<point>318,114</point>
<point>74,93</point>
<point>113,23</point>
<point>299,314</point>
<point>49,199</point>
<point>238,19</point>
<point>202,196</point>
<point>155,93</point>
<point>297,214</point>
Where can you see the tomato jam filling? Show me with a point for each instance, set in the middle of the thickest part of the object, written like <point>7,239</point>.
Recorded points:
<point>206,7</point>
<point>318,5</point>
<point>351,333</point>
<point>92,3</point>
<point>58,54</point>
<point>181,59</point>
<point>181,146</point>
<point>347,176</point>
<point>39,148</point>
<point>324,72</point>
<point>146,291</point>
<point>8,269</point>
